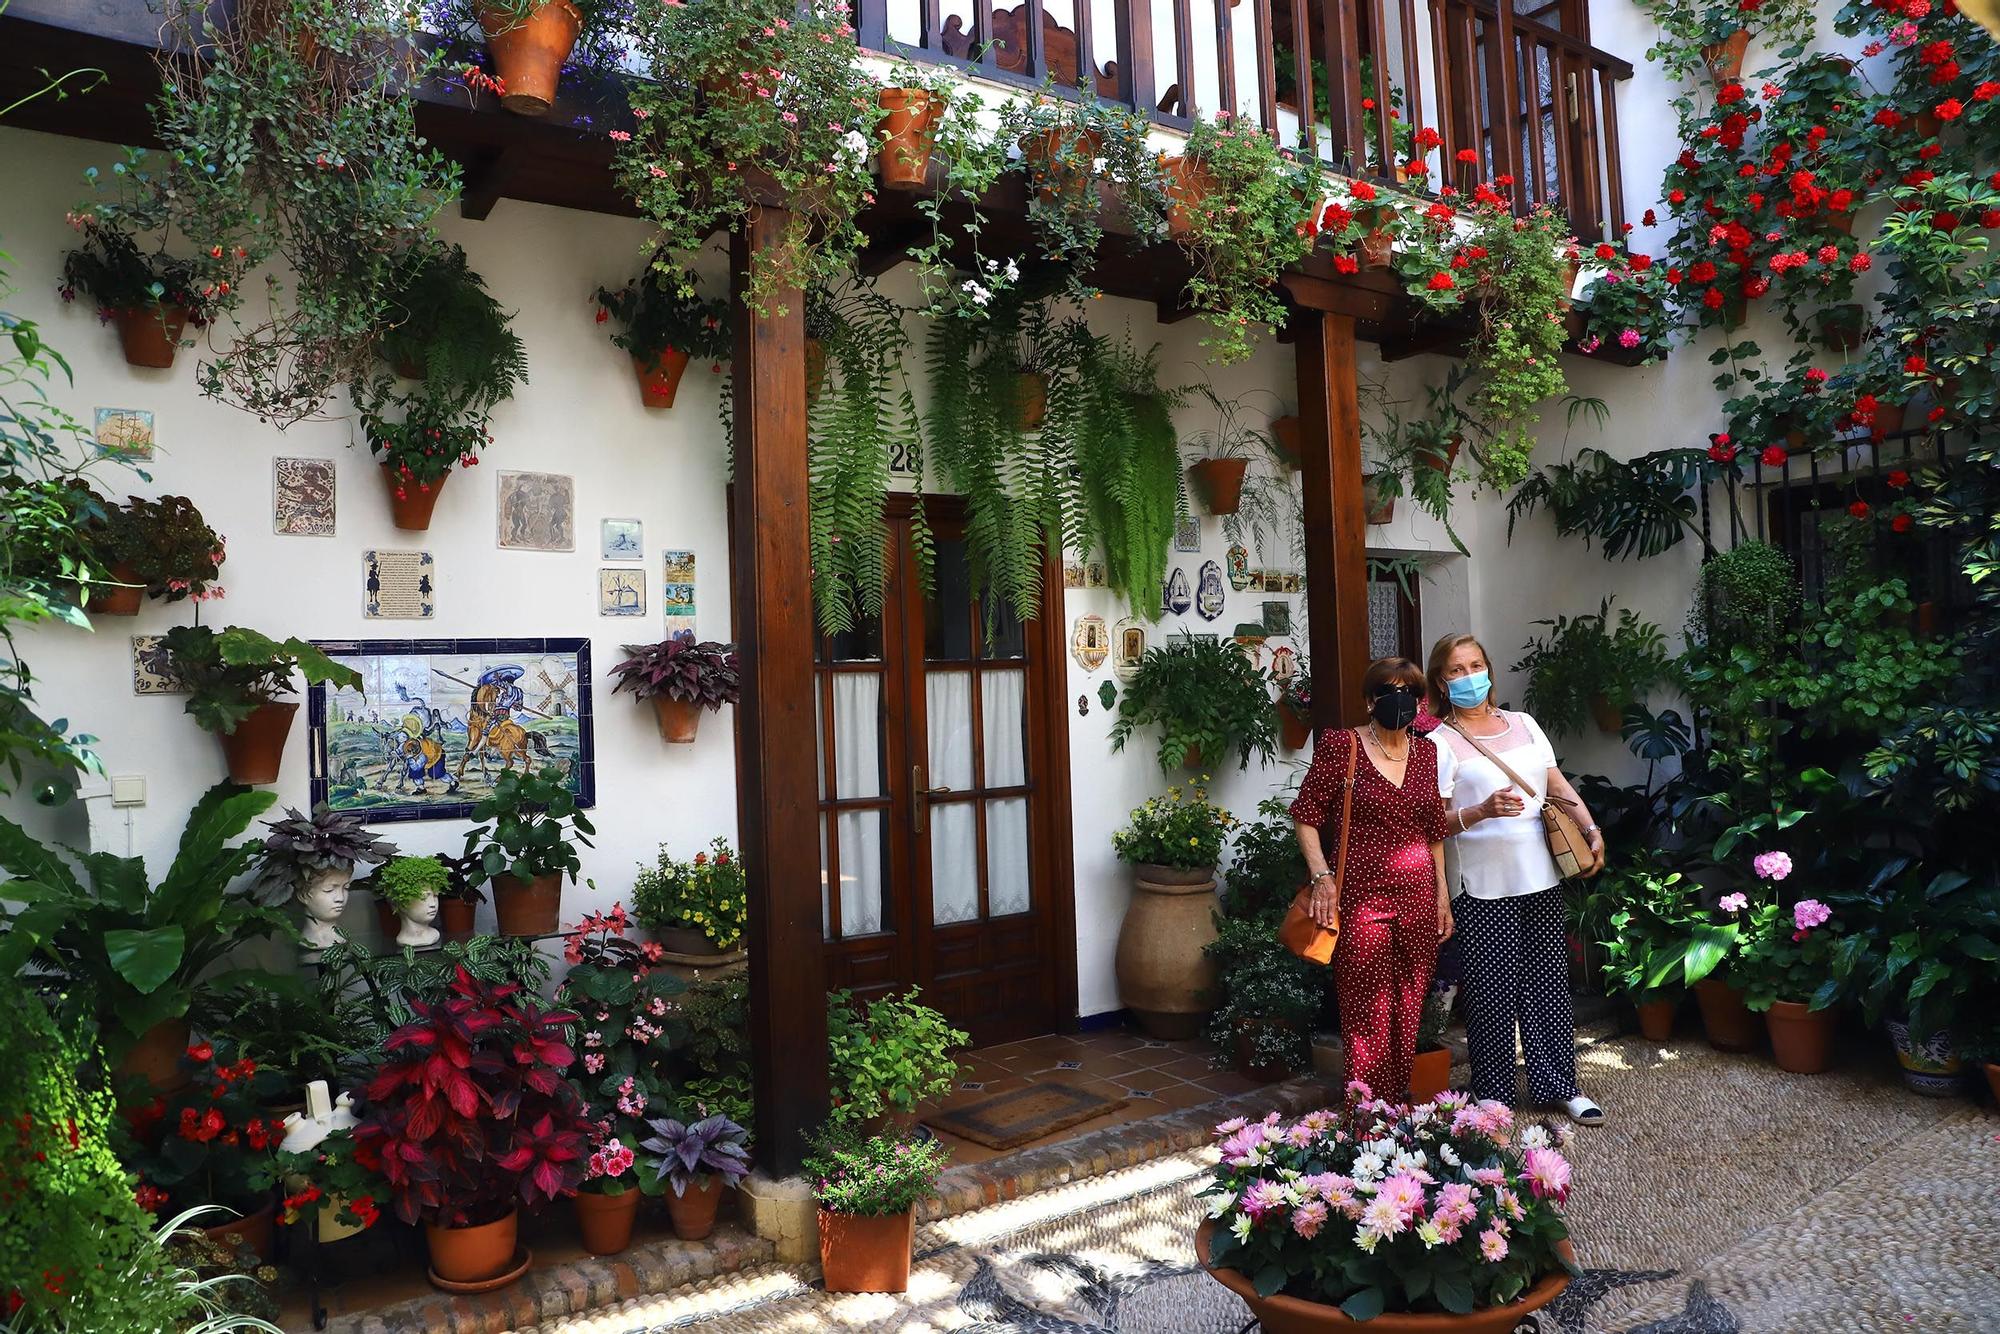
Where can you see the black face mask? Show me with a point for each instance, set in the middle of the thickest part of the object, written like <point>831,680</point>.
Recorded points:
<point>1394,709</point>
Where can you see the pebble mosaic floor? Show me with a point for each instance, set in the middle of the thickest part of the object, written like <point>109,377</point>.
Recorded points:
<point>1723,1197</point>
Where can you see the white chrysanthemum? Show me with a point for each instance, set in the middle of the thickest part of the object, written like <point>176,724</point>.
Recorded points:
<point>1241,1227</point>
<point>1367,1166</point>
<point>1535,1137</point>
<point>1449,1155</point>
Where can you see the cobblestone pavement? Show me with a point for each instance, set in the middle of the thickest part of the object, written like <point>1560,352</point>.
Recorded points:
<point>1723,1197</point>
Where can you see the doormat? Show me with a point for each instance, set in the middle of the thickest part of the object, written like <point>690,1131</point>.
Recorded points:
<point>1006,1120</point>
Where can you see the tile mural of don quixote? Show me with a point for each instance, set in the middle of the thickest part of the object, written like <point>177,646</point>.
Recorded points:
<point>437,720</point>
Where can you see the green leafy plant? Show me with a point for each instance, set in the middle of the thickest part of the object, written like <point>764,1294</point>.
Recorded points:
<point>1919,945</point>
<point>1206,697</point>
<point>1414,456</point>
<point>1629,307</point>
<point>1592,663</point>
<point>1266,998</point>
<point>164,544</point>
<point>1267,868</point>
<point>535,826</point>
<point>628,1031</point>
<point>1178,830</point>
<point>708,894</point>
<point>875,1176</point>
<point>138,953</point>
<point>1686,26</point>
<point>660,311</point>
<point>213,1141</point>
<point>231,674</point>
<point>1658,939</point>
<point>283,1023</point>
<point>375,994</point>
<point>1744,598</point>
<point>1120,425</point>
<point>111,270</point>
<point>1637,507</point>
<point>887,1054</point>
<point>967,159</point>
<point>602,40</point>
<point>1069,145</point>
<point>405,880</point>
<point>713,1070</point>
<point>1784,959</point>
<point>299,846</point>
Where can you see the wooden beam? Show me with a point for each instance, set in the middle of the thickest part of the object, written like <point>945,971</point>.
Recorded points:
<point>1336,525</point>
<point>1445,339</point>
<point>772,592</point>
<point>487,178</point>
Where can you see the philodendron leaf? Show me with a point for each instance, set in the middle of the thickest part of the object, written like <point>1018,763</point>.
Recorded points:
<point>145,958</point>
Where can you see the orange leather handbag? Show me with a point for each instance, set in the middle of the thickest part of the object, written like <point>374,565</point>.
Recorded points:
<point>1299,933</point>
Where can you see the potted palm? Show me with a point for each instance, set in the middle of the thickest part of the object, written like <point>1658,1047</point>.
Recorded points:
<point>868,1192</point>
<point>233,680</point>
<point>885,1057</point>
<point>681,679</point>
<point>529,846</point>
<point>662,324</point>
<point>697,1162</point>
<point>1206,697</point>
<point>1164,973</point>
<point>151,298</point>
<point>462,1148</point>
<point>154,548</point>
<point>694,908</point>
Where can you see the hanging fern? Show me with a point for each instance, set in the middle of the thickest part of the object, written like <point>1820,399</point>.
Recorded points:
<point>1128,460</point>
<point>446,325</point>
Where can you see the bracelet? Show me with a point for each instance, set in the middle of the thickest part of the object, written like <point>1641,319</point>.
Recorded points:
<point>1590,829</point>
<point>1460,812</point>
<point>1323,875</point>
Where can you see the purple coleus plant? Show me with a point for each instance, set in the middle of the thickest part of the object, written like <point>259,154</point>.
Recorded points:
<point>688,1153</point>
<point>705,674</point>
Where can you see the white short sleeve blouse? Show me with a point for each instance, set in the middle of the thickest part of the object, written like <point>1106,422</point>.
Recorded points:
<point>1500,858</point>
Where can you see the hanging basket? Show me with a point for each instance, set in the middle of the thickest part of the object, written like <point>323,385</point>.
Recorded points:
<point>1221,483</point>
<point>680,719</point>
<point>1285,436</point>
<point>660,379</point>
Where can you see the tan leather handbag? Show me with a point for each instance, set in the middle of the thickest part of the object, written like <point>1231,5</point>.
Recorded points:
<point>1299,933</point>
<point>1567,845</point>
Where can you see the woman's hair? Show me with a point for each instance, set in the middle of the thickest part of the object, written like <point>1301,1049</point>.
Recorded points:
<point>1386,672</point>
<point>1441,652</point>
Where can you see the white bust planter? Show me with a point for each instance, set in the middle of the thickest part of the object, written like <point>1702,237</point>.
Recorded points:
<point>415,919</point>
<point>324,899</point>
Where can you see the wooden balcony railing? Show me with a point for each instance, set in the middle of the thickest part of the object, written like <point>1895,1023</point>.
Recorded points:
<point>1537,104</point>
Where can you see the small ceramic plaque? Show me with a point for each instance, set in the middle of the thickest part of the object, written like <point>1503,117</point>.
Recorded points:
<point>1209,596</point>
<point>1187,534</point>
<point>621,592</point>
<point>1238,557</point>
<point>1177,598</point>
<point>677,594</point>
<point>621,539</point>
<point>152,673</point>
<point>1090,642</point>
<point>1284,662</point>
<point>1277,618</point>
<point>1107,694</point>
<point>1072,574</point>
<point>1093,574</point>
<point>124,433</point>
<point>1128,645</point>
<point>400,585</point>
<point>302,497</point>
<point>537,511</point>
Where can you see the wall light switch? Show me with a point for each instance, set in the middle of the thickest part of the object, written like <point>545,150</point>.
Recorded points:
<point>128,790</point>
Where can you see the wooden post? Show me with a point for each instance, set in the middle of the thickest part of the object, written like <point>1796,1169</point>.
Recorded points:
<point>1336,522</point>
<point>772,593</point>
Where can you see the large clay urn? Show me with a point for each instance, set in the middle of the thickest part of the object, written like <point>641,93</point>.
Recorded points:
<point>1164,979</point>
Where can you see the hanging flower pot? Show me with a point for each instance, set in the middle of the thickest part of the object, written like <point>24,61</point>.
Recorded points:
<point>1436,462</point>
<point>1164,978</point>
<point>1840,328</point>
<point>1377,508</point>
<point>1656,1017</point>
<point>1841,223</point>
<point>256,748</point>
<point>693,1210</point>
<point>1031,399</point>
<point>606,1220</point>
<point>411,502</point>
<point>1378,248</point>
<point>660,379</point>
<point>1189,184</point>
<point>1294,727</point>
<point>1285,435</point>
<point>150,334</point>
<point>1723,1015</point>
<point>121,597</point>
<point>1221,483</point>
<point>528,907</point>
<point>477,1258</point>
<point>1927,124</point>
<point>1605,714</point>
<point>530,54</point>
<point>1992,1070</point>
<point>859,1253</point>
<point>409,364</point>
<point>156,1057</point>
<point>1040,149</point>
<point>1801,1039</point>
<point>680,719</point>
<point>1430,1074</point>
<point>1930,1066</point>
<point>908,130</point>
<point>1725,58</point>
<point>1889,418</point>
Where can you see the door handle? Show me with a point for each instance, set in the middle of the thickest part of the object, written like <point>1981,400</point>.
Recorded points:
<point>920,798</point>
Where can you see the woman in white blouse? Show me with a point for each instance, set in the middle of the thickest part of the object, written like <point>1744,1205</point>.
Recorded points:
<point>1507,892</point>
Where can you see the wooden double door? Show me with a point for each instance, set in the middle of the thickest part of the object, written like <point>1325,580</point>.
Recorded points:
<point>943,797</point>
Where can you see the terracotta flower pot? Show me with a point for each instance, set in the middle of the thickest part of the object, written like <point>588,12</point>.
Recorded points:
<point>1841,223</point>
<point>121,598</point>
<point>1377,509</point>
<point>1164,978</point>
<point>1031,399</point>
<point>862,1254</point>
<point>1889,418</point>
<point>1656,1017</point>
<point>528,907</point>
<point>1841,327</point>
<point>1605,714</point>
<point>1267,1072</point>
<point>660,379</point>
<point>530,55</point>
<point>1729,1025</point>
<point>156,1057</point>
<point>693,1210</point>
<point>1285,435</point>
<point>1294,1315</point>
<point>254,1230</point>
<point>1725,58</point>
<point>1801,1039</point>
<point>1927,124</point>
<point>256,748</point>
<point>679,719</point>
<point>411,503</point>
<point>1378,248</point>
<point>685,940</point>
<point>1294,728</point>
<point>908,131</point>
<point>1221,483</point>
<point>1930,1066</point>
<point>1436,462</point>
<point>151,334</point>
<point>1189,185</point>
<point>473,1254</point>
<point>455,917</point>
<point>606,1220</point>
<point>1430,1074</point>
<point>409,365</point>
<point>1993,1080</point>
<point>1191,758</point>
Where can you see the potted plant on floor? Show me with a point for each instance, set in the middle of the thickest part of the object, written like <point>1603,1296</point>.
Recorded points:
<point>150,297</point>
<point>411,888</point>
<point>138,958</point>
<point>885,1057</point>
<point>1652,916</point>
<point>1286,1197</point>
<point>468,1119</point>
<point>315,854</point>
<point>1430,1070</point>
<point>697,1162</point>
<point>868,1192</point>
<point>212,1143</point>
<point>529,847</point>
<point>233,680</point>
<point>1785,970</point>
<point>1206,698</point>
<point>154,548</point>
<point>681,679</point>
<point>694,908</point>
<point>662,325</point>
<point>607,1203</point>
<point>1266,1000</point>
<point>1173,844</point>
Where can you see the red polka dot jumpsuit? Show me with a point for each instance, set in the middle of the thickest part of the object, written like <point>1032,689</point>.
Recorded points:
<point>1388,900</point>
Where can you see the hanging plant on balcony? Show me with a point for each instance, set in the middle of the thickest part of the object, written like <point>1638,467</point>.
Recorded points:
<point>292,148</point>
<point>151,297</point>
<point>966,159</point>
<point>521,48</point>
<point>1128,458</point>
<point>1068,146</point>
<point>153,548</point>
<point>766,95</point>
<point>1247,210</point>
<point>1712,34</point>
<point>664,323</point>
<point>1628,312</point>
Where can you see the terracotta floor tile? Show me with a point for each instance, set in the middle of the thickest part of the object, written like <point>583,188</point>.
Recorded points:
<point>1174,1097</point>
<point>1228,1083</point>
<point>1110,1067</point>
<point>965,1097</point>
<point>1189,1067</point>
<point>1147,1079</point>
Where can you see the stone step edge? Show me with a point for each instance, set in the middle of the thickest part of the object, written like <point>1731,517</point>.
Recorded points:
<point>573,1288</point>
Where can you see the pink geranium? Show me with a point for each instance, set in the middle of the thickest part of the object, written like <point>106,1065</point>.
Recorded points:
<point>1809,913</point>
<point>1772,865</point>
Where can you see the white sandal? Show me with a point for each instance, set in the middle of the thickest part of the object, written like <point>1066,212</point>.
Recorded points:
<point>1583,1111</point>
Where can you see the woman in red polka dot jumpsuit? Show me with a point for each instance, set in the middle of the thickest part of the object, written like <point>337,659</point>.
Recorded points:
<point>1390,906</point>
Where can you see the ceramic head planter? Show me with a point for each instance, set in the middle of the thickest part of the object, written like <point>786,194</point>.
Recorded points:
<point>323,896</point>
<point>411,886</point>
<point>416,918</point>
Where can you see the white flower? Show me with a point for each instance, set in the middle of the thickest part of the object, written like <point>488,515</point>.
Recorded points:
<point>1430,1234</point>
<point>980,296</point>
<point>1367,1166</point>
<point>1412,1163</point>
<point>1097,166</point>
<point>1535,1137</point>
<point>1449,1155</point>
<point>1241,1227</point>
<point>1013,271</point>
<point>1218,1205</point>
<point>855,144</point>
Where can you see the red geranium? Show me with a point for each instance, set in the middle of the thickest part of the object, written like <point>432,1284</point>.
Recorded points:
<point>1774,456</point>
<point>1859,509</point>
<point>1902,523</point>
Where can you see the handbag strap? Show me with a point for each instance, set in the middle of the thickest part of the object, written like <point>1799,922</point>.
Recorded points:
<point>1518,781</point>
<point>1346,810</point>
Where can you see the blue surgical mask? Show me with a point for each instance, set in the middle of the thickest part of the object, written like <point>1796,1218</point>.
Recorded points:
<point>1469,691</point>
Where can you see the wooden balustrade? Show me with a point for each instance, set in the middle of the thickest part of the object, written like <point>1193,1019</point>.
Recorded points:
<point>1344,83</point>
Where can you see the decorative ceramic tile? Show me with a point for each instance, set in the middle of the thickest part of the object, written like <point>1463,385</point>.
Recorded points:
<point>1069,1065</point>
<point>1083,706</point>
<point>1090,642</point>
<point>1139,1093</point>
<point>621,592</point>
<point>124,433</point>
<point>1177,598</point>
<point>400,585</point>
<point>1093,574</point>
<point>537,511</point>
<point>437,720</point>
<point>152,672</point>
<point>302,492</point>
<point>621,539</point>
<point>1277,618</point>
<point>1293,582</point>
<point>1187,534</point>
<point>1238,557</point>
<point>1284,663</point>
<point>971,1086</point>
<point>1128,645</point>
<point>1107,695</point>
<point>1072,574</point>
<point>1209,595</point>
<point>677,594</point>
